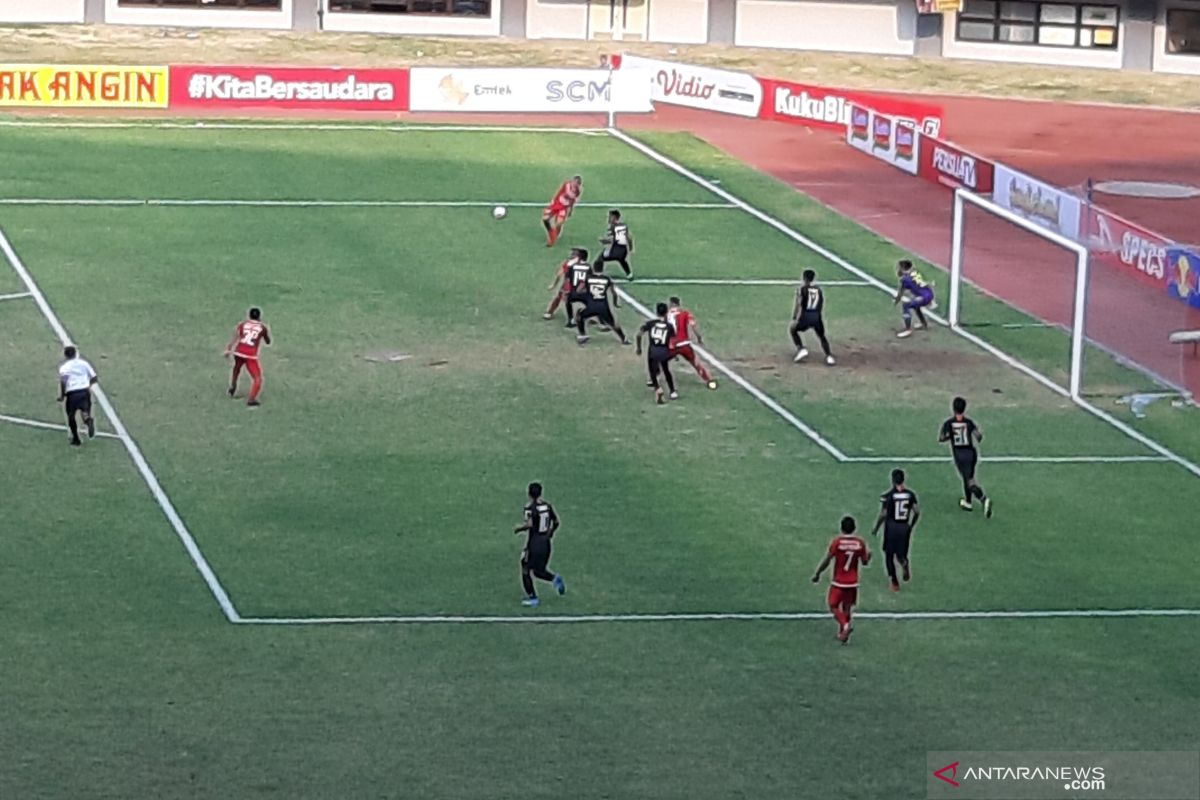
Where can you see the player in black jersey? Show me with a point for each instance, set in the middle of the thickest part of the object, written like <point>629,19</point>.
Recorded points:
<point>578,274</point>
<point>808,314</point>
<point>898,516</point>
<point>540,523</point>
<point>618,244</point>
<point>962,433</point>
<point>600,302</point>
<point>658,358</point>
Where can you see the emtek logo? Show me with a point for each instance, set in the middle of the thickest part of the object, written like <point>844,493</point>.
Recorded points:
<point>578,91</point>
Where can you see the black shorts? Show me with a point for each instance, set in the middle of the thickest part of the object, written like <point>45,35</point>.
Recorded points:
<point>79,400</point>
<point>896,541</point>
<point>614,252</point>
<point>810,322</point>
<point>576,297</point>
<point>600,311</point>
<point>964,461</point>
<point>536,556</point>
<point>658,354</point>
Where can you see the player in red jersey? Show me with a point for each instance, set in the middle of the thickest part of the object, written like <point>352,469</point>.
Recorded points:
<point>570,279</point>
<point>248,336</point>
<point>846,552</point>
<point>686,328</point>
<point>555,215</point>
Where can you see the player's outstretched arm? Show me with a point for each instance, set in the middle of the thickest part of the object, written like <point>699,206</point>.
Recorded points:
<point>816,578</point>
<point>524,526</point>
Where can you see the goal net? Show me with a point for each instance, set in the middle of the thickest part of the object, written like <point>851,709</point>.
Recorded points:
<point>1074,312</point>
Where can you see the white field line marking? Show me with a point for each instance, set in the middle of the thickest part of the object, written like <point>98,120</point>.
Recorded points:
<point>754,391</point>
<point>534,618</point>
<point>15,296</point>
<point>299,126</point>
<point>735,281</point>
<point>132,202</point>
<point>135,453</point>
<point>783,228</point>
<point>1011,459</point>
<point>50,426</point>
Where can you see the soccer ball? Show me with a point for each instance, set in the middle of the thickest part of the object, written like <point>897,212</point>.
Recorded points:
<point>499,212</point>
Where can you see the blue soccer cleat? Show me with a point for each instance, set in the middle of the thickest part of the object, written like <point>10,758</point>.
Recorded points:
<point>531,602</point>
<point>560,584</point>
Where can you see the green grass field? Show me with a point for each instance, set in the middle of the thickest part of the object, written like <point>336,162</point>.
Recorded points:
<point>369,488</point>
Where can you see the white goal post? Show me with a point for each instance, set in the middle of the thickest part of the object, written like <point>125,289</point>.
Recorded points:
<point>962,198</point>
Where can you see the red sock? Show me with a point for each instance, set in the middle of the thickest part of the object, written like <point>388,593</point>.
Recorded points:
<point>848,613</point>
<point>705,375</point>
<point>554,303</point>
<point>842,619</point>
<point>256,380</point>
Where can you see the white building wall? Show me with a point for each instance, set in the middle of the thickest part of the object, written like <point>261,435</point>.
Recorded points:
<point>1031,54</point>
<point>850,27</point>
<point>1172,62</point>
<point>679,21</point>
<point>41,10</point>
<point>198,17</point>
<point>556,19</point>
<point>422,25</point>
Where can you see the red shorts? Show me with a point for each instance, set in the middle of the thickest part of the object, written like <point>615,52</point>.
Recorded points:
<point>843,597</point>
<point>559,213</point>
<point>250,364</point>
<point>686,352</point>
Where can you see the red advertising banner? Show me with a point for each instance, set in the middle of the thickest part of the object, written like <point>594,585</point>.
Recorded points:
<point>1117,242</point>
<point>821,107</point>
<point>317,88</point>
<point>949,165</point>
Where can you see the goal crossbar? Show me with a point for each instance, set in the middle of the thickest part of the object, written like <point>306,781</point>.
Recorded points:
<point>963,198</point>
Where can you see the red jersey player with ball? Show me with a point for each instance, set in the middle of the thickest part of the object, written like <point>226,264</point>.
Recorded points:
<point>686,328</point>
<point>250,334</point>
<point>555,215</point>
<point>846,552</point>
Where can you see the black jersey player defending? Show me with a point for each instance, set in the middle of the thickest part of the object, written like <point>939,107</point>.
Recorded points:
<point>618,244</point>
<point>658,358</point>
<point>599,304</point>
<point>540,523</point>
<point>808,313</point>
<point>962,433</point>
<point>898,516</point>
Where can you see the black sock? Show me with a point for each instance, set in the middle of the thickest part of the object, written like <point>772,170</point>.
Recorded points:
<point>74,426</point>
<point>625,266</point>
<point>527,584</point>
<point>824,344</point>
<point>618,331</point>
<point>977,490</point>
<point>889,561</point>
<point>546,224</point>
<point>670,379</point>
<point>579,323</point>
<point>796,340</point>
<point>967,491</point>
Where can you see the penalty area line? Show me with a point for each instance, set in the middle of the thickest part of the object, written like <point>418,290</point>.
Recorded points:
<point>737,281</point>
<point>15,296</point>
<point>560,619</point>
<point>134,202</point>
<point>49,426</point>
<point>1011,459</point>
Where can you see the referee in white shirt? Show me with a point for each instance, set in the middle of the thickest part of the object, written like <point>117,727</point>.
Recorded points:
<point>75,380</point>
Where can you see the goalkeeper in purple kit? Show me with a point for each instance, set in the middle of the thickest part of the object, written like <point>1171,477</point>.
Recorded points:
<point>916,293</point>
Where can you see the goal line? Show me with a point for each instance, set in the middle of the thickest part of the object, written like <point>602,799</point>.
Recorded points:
<point>266,202</point>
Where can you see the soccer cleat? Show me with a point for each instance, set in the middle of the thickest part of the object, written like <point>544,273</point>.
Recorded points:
<point>629,277</point>
<point>605,329</point>
<point>987,507</point>
<point>560,585</point>
<point>75,442</point>
<point>801,354</point>
<point>626,342</point>
<point>651,384</point>
<point>829,361</point>
<point>895,585</point>
<point>531,602</point>
<point>844,635</point>
<point>230,391</point>
<point>547,315</point>
<point>582,340</point>
<point>674,395</point>
<point>658,398</point>
<point>570,323</point>
<point>253,403</point>
<point>904,334</point>
<point>965,505</point>
<point>91,429</point>
<point>712,384</point>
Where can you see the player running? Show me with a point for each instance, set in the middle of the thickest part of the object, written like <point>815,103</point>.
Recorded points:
<point>250,334</point>
<point>540,523</point>
<point>618,244</point>
<point>658,358</point>
<point>76,377</point>
<point>600,302</point>
<point>564,281</point>
<point>919,295</point>
<point>808,313</point>
<point>898,516</point>
<point>686,328</point>
<point>962,433</point>
<point>846,552</point>
<point>555,215</point>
